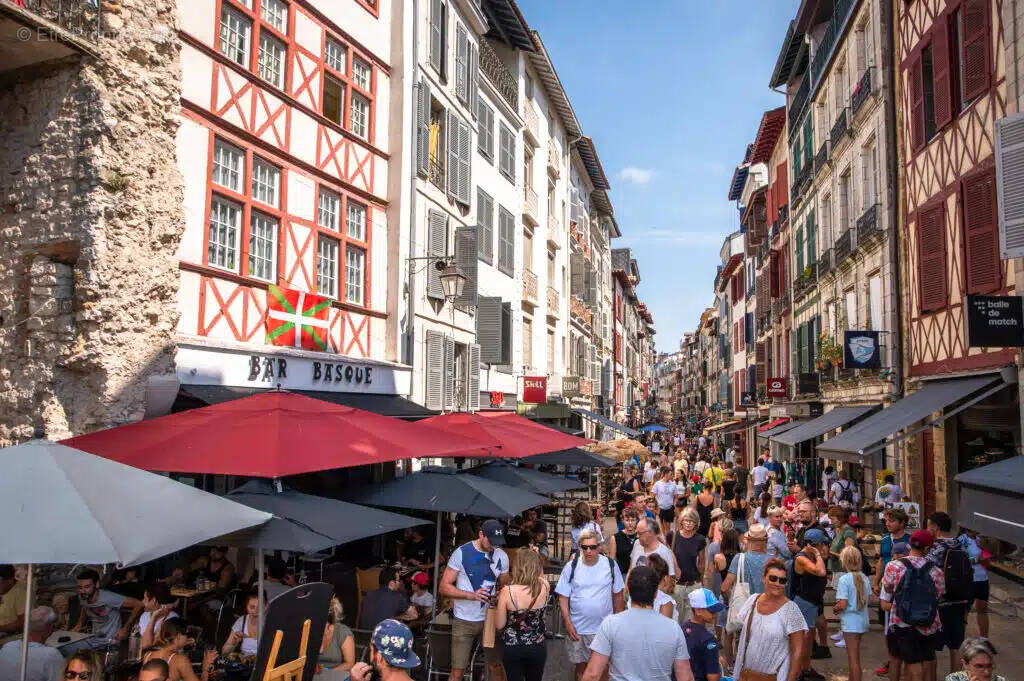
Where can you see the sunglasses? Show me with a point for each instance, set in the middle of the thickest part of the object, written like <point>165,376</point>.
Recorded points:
<point>84,676</point>
<point>588,547</point>
<point>775,579</point>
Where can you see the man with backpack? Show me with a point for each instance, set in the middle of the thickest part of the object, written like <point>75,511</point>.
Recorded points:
<point>589,589</point>
<point>949,555</point>
<point>911,590</point>
<point>844,492</point>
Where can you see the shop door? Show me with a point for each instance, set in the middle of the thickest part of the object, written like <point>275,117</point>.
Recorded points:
<point>928,473</point>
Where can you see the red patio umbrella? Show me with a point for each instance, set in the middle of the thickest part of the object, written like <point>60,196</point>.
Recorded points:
<point>270,435</point>
<point>516,440</point>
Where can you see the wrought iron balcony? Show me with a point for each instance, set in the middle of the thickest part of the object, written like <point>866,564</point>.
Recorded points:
<point>47,30</point>
<point>783,215</point>
<point>840,127</point>
<point>764,323</point>
<point>798,104</point>
<point>844,246</point>
<point>436,172</point>
<point>495,70</point>
<point>821,158</point>
<point>529,287</point>
<point>862,92</point>
<point>826,46</point>
<point>774,231</point>
<point>806,282</point>
<point>825,262</point>
<point>867,224</point>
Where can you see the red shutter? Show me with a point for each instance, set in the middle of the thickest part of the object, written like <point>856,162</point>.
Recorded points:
<point>781,178</point>
<point>975,70</point>
<point>931,257</point>
<point>941,77</point>
<point>916,104</point>
<point>773,274</point>
<point>769,205</point>
<point>981,233</point>
<point>743,334</point>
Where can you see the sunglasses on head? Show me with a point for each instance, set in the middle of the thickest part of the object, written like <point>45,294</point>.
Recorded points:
<point>588,547</point>
<point>84,676</point>
<point>775,579</point>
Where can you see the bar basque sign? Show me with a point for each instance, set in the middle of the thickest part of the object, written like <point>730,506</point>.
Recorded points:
<point>995,322</point>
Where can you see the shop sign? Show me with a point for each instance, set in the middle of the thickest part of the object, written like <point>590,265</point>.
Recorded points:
<point>570,386</point>
<point>995,322</point>
<point>778,387</point>
<point>860,350</point>
<point>535,389</point>
<point>748,399</point>
<point>497,398</point>
<point>913,511</point>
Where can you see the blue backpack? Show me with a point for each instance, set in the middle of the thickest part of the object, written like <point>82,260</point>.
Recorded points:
<point>917,599</point>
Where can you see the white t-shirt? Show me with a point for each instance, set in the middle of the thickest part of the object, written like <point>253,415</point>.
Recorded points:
<point>424,599</point>
<point>146,616</point>
<point>44,663</point>
<point>661,598</point>
<point>249,644</point>
<point>665,493</point>
<point>662,550</point>
<point>675,440</point>
<point>649,472</point>
<point>680,464</point>
<point>476,569</point>
<point>700,467</point>
<point>590,592</point>
<point>759,474</point>
<point>888,494</point>
<point>656,446</point>
<point>840,486</point>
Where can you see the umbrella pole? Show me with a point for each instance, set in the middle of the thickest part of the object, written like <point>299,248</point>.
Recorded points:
<point>259,578</point>
<point>24,633</point>
<point>437,568</point>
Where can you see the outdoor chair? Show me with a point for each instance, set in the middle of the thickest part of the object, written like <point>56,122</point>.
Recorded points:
<point>228,605</point>
<point>366,581</point>
<point>361,638</point>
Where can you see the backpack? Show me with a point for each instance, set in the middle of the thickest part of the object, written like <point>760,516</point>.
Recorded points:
<point>959,575</point>
<point>846,495</point>
<point>916,595</point>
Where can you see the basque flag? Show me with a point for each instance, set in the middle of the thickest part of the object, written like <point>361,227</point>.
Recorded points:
<point>297,319</point>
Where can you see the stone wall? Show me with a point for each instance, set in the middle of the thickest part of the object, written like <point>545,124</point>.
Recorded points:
<point>90,219</point>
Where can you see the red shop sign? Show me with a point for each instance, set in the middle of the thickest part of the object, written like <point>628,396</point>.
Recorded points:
<point>778,387</point>
<point>497,398</point>
<point>535,389</point>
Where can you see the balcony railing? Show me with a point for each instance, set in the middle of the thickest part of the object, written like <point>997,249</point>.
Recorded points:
<point>436,173</point>
<point>556,237</point>
<point>492,67</point>
<point>867,224</point>
<point>764,323</point>
<point>554,159</point>
<point>806,282</point>
<point>530,206</point>
<point>82,19</point>
<point>553,302</point>
<point>840,127</point>
<point>824,48</point>
<point>529,287</point>
<point>797,105</point>
<point>532,124</point>
<point>783,215</point>
<point>773,233</point>
<point>821,158</point>
<point>844,246</point>
<point>861,92</point>
<point>825,262</point>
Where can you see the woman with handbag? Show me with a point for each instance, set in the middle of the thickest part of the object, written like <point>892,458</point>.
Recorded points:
<point>773,631</point>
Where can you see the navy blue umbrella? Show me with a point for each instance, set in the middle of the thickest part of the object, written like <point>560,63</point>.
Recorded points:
<point>653,428</point>
<point>525,478</point>
<point>570,457</point>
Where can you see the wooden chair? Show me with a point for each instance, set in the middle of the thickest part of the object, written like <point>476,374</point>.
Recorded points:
<point>289,671</point>
<point>366,581</point>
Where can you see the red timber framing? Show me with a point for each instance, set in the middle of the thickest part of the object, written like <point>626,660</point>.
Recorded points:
<point>950,235</point>
<point>255,116</point>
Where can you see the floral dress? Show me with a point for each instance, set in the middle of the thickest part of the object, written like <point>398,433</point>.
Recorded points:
<point>524,627</point>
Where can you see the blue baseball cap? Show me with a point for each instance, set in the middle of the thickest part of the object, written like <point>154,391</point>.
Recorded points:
<point>706,600</point>
<point>394,641</point>
<point>815,536</point>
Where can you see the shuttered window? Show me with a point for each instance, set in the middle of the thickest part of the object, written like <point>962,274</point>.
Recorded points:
<point>473,378</point>
<point>506,241</point>
<point>917,138</point>
<point>507,153</point>
<point>467,259</point>
<point>1010,184</point>
<point>800,251</point>
<point>975,67</point>
<point>434,370</point>
<point>439,36</point>
<point>981,233</point>
<point>461,63</point>
<point>485,131</point>
<point>931,258</point>
<point>437,244</point>
<point>423,127</point>
<point>812,247</point>
<point>775,285</point>
<point>485,221</point>
<point>941,73</point>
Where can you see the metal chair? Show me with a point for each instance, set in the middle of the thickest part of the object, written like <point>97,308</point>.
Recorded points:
<point>439,651</point>
<point>361,638</point>
<point>230,601</point>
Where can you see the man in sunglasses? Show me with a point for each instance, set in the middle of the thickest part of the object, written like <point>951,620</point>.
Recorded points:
<point>44,663</point>
<point>589,589</point>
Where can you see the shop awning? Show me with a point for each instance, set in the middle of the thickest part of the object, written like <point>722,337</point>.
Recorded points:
<point>871,434</point>
<point>606,422</point>
<point>385,405</point>
<point>778,430</point>
<point>829,421</point>
<point>719,426</point>
<point>742,425</point>
<point>992,500</point>
<point>771,425</point>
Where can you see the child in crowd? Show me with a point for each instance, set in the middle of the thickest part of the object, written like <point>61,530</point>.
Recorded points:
<point>419,585</point>
<point>776,484</point>
<point>852,592</point>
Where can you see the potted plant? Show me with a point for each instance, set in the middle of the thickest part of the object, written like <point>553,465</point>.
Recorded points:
<point>829,352</point>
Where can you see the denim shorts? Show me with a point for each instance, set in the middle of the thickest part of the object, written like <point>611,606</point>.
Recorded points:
<point>808,610</point>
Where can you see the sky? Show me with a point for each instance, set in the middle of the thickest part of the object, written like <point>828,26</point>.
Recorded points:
<point>671,91</point>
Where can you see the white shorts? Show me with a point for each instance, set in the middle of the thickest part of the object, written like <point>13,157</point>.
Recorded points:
<point>579,651</point>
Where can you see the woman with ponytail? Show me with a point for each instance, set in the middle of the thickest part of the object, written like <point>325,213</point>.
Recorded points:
<point>852,592</point>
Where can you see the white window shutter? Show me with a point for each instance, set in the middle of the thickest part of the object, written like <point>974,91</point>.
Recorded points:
<point>474,79</point>
<point>461,63</point>
<point>473,380</point>
<point>433,365</point>
<point>466,258</point>
<point>462,193</point>
<point>490,330</point>
<point>437,232</point>
<point>1010,184</point>
<point>423,128</point>
<point>448,370</point>
<point>452,140</point>
<point>436,44</point>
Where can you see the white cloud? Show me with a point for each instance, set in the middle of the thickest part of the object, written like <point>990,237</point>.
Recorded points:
<point>636,175</point>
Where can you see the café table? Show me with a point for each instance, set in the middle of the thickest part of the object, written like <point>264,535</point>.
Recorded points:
<point>189,596</point>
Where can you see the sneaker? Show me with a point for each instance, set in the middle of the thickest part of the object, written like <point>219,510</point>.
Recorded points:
<point>838,636</point>
<point>812,675</point>
<point>840,644</point>
<point>820,653</point>
<point>883,670</point>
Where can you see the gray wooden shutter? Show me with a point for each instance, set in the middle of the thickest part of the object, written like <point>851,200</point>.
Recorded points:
<point>437,233</point>
<point>1010,184</point>
<point>433,364</point>
<point>436,42</point>
<point>465,167</point>
<point>452,140</point>
<point>489,329</point>
<point>473,378</point>
<point>423,128</point>
<point>592,288</point>
<point>448,371</point>
<point>485,223</point>
<point>506,333</point>
<point>474,79</point>
<point>461,63</point>
<point>466,258</point>
<point>576,271</point>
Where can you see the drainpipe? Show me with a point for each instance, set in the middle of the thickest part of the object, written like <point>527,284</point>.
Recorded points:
<point>410,327</point>
<point>895,197</point>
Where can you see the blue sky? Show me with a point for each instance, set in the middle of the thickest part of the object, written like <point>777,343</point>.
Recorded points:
<point>672,91</point>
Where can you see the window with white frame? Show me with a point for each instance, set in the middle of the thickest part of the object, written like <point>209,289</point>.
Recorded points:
<point>327,266</point>
<point>266,182</point>
<point>235,33</point>
<point>869,179</point>
<point>361,73</point>
<point>263,247</point>
<point>355,261</point>
<point>851,308</point>
<point>355,220</point>
<point>270,63</point>
<point>328,209</point>
<point>359,115</point>
<point>225,226</point>
<point>228,165</point>
<point>275,13</point>
<point>336,55</point>
<point>875,302</point>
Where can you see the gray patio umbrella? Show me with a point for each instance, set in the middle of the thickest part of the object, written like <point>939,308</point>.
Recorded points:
<point>570,457</point>
<point>61,505</point>
<point>525,478</point>
<point>445,490</point>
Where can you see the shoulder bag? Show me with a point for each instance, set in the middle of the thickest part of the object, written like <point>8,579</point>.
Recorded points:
<point>739,596</point>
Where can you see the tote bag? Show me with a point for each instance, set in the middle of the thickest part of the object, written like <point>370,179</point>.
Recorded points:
<point>740,594</point>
